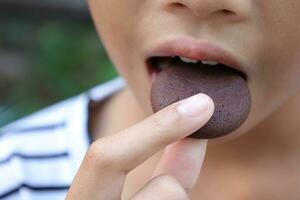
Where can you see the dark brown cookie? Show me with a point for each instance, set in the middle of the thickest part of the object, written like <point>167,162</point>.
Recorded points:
<point>225,86</point>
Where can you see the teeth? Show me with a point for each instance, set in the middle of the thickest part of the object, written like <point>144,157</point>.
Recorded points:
<point>206,62</point>
<point>187,60</point>
<point>209,62</point>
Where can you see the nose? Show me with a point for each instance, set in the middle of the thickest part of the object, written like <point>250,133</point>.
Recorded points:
<point>233,10</point>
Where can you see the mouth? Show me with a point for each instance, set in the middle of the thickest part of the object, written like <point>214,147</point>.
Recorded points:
<point>156,65</point>
<point>189,52</point>
<point>182,68</point>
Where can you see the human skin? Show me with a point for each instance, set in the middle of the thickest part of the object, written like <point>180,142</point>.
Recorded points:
<point>110,159</point>
<point>265,37</point>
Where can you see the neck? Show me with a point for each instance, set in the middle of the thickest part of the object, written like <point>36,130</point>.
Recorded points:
<point>112,115</point>
<point>279,132</point>
<point>278,135</point>
<point>275,140</point>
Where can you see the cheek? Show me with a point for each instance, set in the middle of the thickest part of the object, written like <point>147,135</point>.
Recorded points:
<point>118,31</point>
<point>111,27</point>
<point>280,53</point>
<point>114,21</point>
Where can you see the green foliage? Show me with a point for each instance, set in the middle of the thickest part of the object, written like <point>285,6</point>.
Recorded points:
<point>65,59</point>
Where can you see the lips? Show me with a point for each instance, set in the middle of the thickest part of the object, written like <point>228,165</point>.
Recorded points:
<point>191,49</point>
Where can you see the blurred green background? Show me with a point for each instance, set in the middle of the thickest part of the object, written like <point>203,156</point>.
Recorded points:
<point>43,61</point>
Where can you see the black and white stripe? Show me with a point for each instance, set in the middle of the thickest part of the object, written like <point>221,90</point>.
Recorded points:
<point>28,162</point>
<point>49,188</point>
<point>40,154</point>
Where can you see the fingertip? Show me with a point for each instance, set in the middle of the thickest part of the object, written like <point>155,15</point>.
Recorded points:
<point>196,105</point>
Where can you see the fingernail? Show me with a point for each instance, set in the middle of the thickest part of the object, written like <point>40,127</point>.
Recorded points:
<point>194,106</point>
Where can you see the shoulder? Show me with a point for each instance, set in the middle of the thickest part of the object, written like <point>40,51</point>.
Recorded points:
<point>41,153</point>
<point>33,149</point>
<point>55,116</point>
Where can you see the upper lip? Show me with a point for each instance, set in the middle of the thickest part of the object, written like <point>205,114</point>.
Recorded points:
<point>196,50</point>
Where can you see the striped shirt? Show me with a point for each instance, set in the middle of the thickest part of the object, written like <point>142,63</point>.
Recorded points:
<point>40,154</point>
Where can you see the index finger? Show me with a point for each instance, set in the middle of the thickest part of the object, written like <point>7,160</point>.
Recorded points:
<point>103,171</point>
<point>130,147</point>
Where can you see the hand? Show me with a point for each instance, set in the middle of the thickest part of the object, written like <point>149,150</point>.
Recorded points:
<point>103,171</point>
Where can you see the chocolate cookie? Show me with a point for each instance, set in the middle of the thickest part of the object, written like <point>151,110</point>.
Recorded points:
<point>226,86</point>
